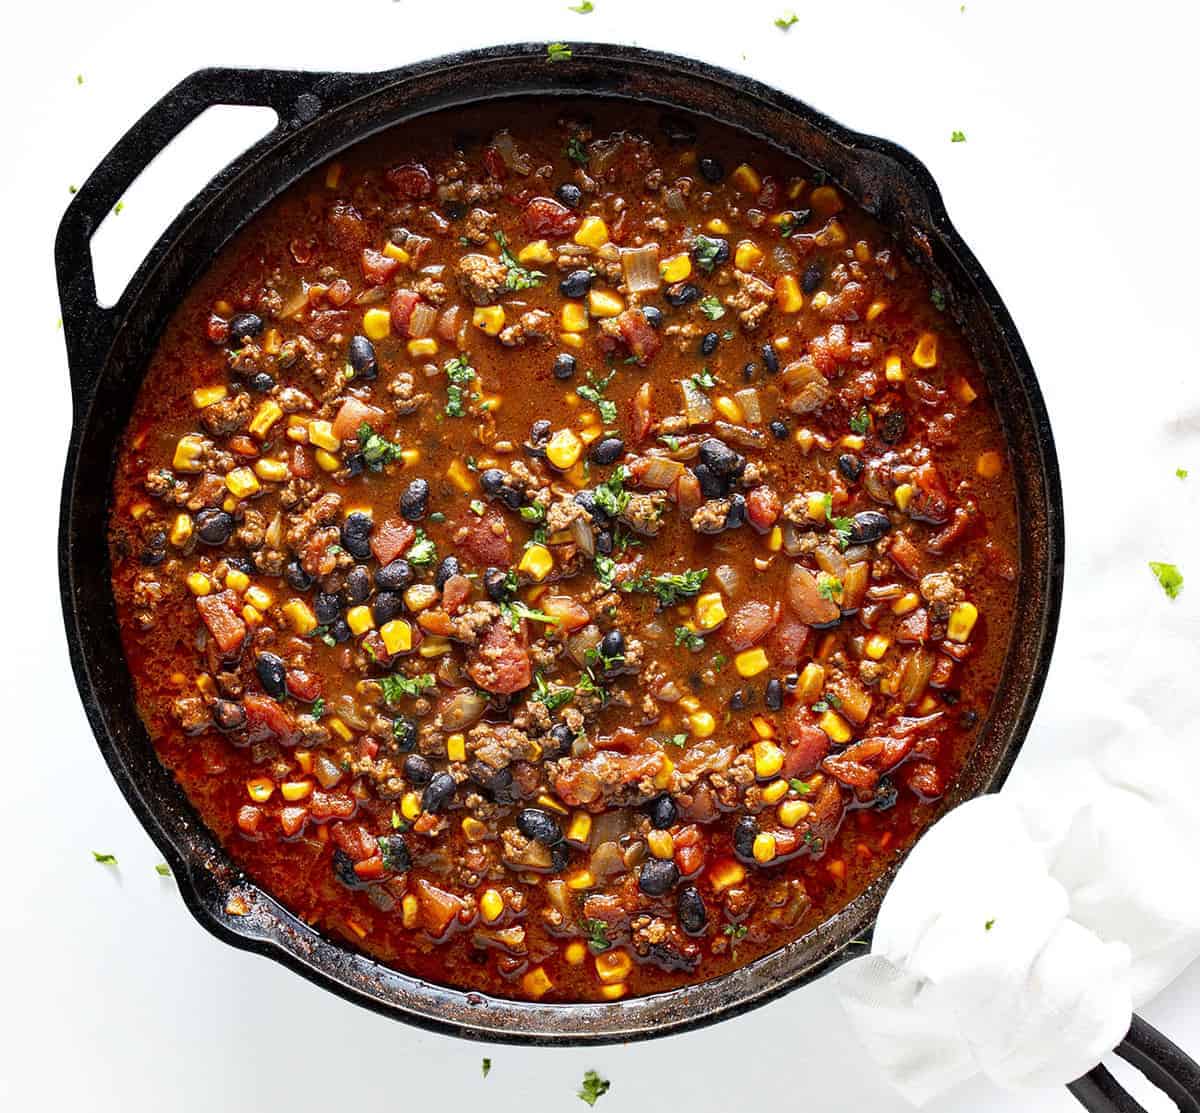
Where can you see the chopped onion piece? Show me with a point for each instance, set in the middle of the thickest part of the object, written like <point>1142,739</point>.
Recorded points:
<point>659,473</point>
<point>423,318</point>
<point>751,406</point>
<point>696,404</point>
<point>640,265</point>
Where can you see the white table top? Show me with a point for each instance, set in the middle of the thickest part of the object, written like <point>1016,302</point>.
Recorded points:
<point>1080,129</point>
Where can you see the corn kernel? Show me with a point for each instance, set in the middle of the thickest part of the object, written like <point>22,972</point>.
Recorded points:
<point>138,510</point>
<point>396,635</point>
<point>411,909</point>
<point>592,232</point>
<point>252,616</point>
<point>536,983</point>
<point>377,324</point>
<point>775,539</point>
<point>746,179</point>
<point>293,791</point>
<point>811,682</point>
<point>604,303</point>
<point>965,391</point>
<point>876,646</point>
<point>188,451</point>
<point>825,200</point>
<point>181,530</point>
<point>327,461</point>
<point>260,789</point>
<point>989,465</point>
<point>491,906</point>
<point>456,747</point>
<point>473,829</point>
<point>198,583</point>
<point>574,317</point>
<point>710,610</point>
<point>489,319</point>
<point>875,309</point>
<point>676,268</point>
<point>788,295</point>
<point>717,226</point>
<point>762,726</point>
<point>579,830</point>
<point>775,791</point>
<point>893,369</point>
<point>320,435</point>
<point>298,615</point>
<point>419,597</point>
<point>764,847</point>
<point>419,349</point>
<point>906,604</point>
<point>747,255</point>
<point>903,495</point>
<point>702,724</point>
<point>613,966</point>
<point>814,505</point>
<point>750,662</point>
<point>570,339</point>
<point>575,952</point>
<point>832,235</point>
<point>862,251</point>
<point>208,395</point>
<point>359,620</point>
<point>273,471</point>
<point>236,579</point>
<point>460,475</point>
<point>563,449</point>
<point>268,412</point>
<point>768,759</point>
<point>726,874</point>
<point>835,727</point>
<point>661,844</point>
<point>614,992</point>
<point>340,729</point>
<point>581,879</point>
<point>662,779</point>
<point>536,562</point>
<point>537,252</point>
<point>962,622</point>
<point>925,354</point>
<point>410,805</point>
<point>259,597</point>
<point>333,175</point>
<point>791,812</point>
<point>395,251</point>
<point>434,647</point>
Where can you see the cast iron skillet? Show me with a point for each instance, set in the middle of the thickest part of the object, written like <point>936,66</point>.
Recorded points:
<point>320,114</point>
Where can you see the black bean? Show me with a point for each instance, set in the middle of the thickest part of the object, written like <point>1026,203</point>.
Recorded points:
<point>604,542</point>
<point>720,458</point>
<point>885,795</point>
<point>774,695</point>
<point>779,430</point>
<point>228,715</point>
<point>711,170</point>
<point>812,277</point>
<point>497,585</point>
<point>709,342</point>
<point>404,734</point>
<point>563,737</point>
<point>271,674</point>
<point>735,518</point>
<point>850,466</point>
<point>689,905</point>
<point>769,358</point>
<point>564,365</point>
<point>569,194</point>
<point>385,606</point>
<point>356,463</point>
<point>454,210</point>
<point>242,327</point>
<point>394,851</point>
<point>560,857</point>
<point>612,647</point>
<point>737,702</point>
<point>658,876</point>
<point>711,253</point>
<point>448,567</point>
<point>343,870</point>
<point>745,831</point>
<point>327,607</point>
<point>576,284</point>
<point>539,431</point>
<point>512,497</point>
<point>497,784</point>
<point>356,534</point>
<point>491,481</point>
<point>663,811</point>
<point>587,499</point>
<point>297,579</point>
<point>892,426</point>
<point>214,527</point>
<point>539,825</point>
<point>414,500</point>
<point>357,588</point>
<point>607,450</point>
<point>869,526</point>
<point>261,382</point>
<point>396,575</point>
<point>339,630</point>
<point>712,486</point>
<point>362,357</point>
<point>417,770</point>
<point>653,315</point>
<point>241,564</point>
<point>438,792</point>
<point>682,293</point>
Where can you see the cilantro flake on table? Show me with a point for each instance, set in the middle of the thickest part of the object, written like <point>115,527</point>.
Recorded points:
<point>558,52</point>
<point>486,1066</point>
<point>594,1087</point>
<point>1168,576</point>
<point>958,137</point>
<point>1181,473</point>
<point>104,858</point>
<point>787,20</point>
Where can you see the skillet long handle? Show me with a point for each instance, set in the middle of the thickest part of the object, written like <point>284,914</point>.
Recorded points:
<point>88,327</point>
<point>1164,1063</point>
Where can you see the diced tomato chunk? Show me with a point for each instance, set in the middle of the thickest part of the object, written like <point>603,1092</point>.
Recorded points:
<point>377,268</point>
<point>689,859</point>
<point>640,338</point>
<point>370,869</point>
<point>643,411</point>
<point>249,819</point>
<point>905,555</point>
<point>220,614</point>
<point>355,840</point>
<point>332,805</point>
<point>571,614</point>
<point>807,745</point>
<point>267,721</point>
<point>304,685</point>
<point>401,309</point>
<point>391,538</point>
<point>436,907</point>
<point>749,624</point>
<point>292,820</point>
<point>494,164</point>
<point>501,660</point>
<point>455,592</point>
<point>216,329</point>
<point>352,415</point>
<point>787,641</point>
<point>411,181</point>
<point>487,540</point>
<point>762,508</point>
<point>544,216</point>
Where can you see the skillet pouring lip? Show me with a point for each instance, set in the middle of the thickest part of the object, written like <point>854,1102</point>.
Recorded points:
<point>322,114</point>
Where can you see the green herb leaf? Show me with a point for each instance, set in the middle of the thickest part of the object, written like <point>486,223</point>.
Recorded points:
<point>422,551</point>
<point>118,207</point>
<point>597,931</point>
<point>677,739</point>
<point>552,698</point>
<point>576,151</point>
<point>860,423</point>
<point>611,495</point>
<point>719,661</point>
<point>104,859</point>
<point>397,687</point>
<point>518,277</point>
<point>705,251</point>
<point>162,869</point>
<point>593,1087</point>
<point>376,450</point>
<point>711,307</point>
<point>476,507</point>
<point>486,1066</point>
<point>989,924</point>
<point>1181,473</point>
<point>586,8</point>
<point>799,786</point>
<point>558,52</point>
<point>689,638</point>
<point>397,822</point>
<point>605,567</point>
<point>787,20</point>
<point>828,587</point>
<point>938,299</point>
<point>593,391</point>
<point>671,442</point>
<point>669,587</point>
<point>516,610</point>
<point>1169,577</point>
<point>704,379</point>
<point>957,137</point>
<point>318,707</point>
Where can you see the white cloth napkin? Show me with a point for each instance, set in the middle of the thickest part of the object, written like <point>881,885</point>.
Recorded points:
<point>1025,927</point>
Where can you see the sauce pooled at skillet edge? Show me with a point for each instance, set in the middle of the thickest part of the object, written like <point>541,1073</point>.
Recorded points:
<point>569,566</point>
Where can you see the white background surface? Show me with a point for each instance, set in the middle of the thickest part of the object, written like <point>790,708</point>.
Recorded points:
<point>1080,138</point>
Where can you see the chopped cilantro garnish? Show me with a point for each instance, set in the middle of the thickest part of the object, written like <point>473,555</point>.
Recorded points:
<point>1168,576</point>
<point>398,824</point>
<point>558,52</point>
<point>801,787</point>
<point>79,79</point>
<point>519,277</point>
<point>475,506</point>
<point>671,442</point>
<point>705,251</point>
<point>552,698</point>
<point>787,20</point>
<point>938,299</point>
<point>734,933</point>
<point>576,151</point>
<point>162,869</point>
<point>533,513</point>
<point>860,423</point>
<point>396,687</point>
<point>689,638</point>
<point>605,567</point>
<point>593,1087</point>
<point>422,551</point>
<point>118,207</point>
<point>711,307</point>
<point>828,587</point>
<point>72,189</point>
<point>704,379</point>
<point>593,391</point>
<point>719,661</point>
<point>516,610</point>
<point>677,739</point>
<point>669,587</point>
<point>1181,473</point>
<point>597,931</point>
<point>989,924</point>
<point>486,1066</point>
<point>104,859</point>
<point>841,526</point>
<point>611,496</point>
<point>318,708</point>
<point>376,450</point>
<point>957,137</point>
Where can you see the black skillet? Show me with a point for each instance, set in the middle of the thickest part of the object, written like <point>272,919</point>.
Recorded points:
<point>321,114</point>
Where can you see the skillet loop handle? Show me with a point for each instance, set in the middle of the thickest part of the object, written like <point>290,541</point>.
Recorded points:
<point>88,327</point>
<point>1163,1063</point>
